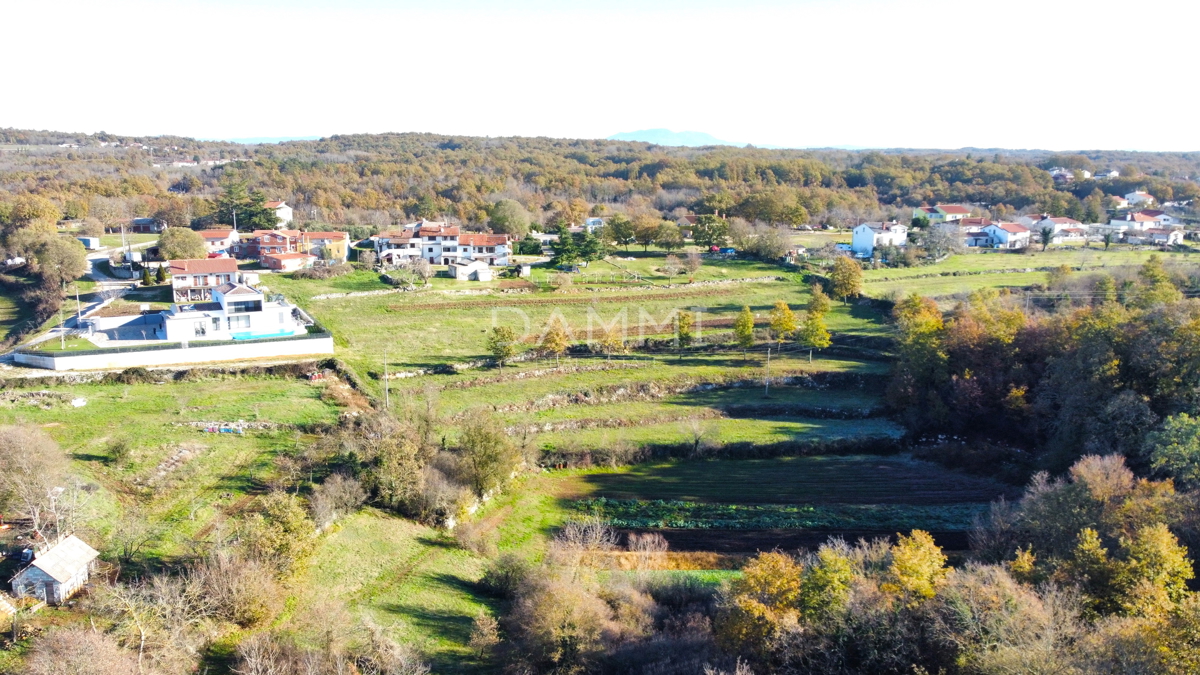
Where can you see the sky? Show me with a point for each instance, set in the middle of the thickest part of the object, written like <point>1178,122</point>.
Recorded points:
<point>1048,74</point>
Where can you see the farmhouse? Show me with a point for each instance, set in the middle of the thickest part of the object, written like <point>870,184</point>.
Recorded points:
<point>194,280</point>
<point>870,235</point>
<point>57,573</point>
<point>282,211</point>
<point>219,242</point>
<point>146,225</point>
<point>1008,235</point>
<point>490,248</point>
<point>970,230</point>
<point>1069,234</point>
<point>942,213</point>
<point>1156,236</point>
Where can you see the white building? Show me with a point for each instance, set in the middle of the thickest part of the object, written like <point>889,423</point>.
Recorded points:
<point>194,280</point>
<point>57,573</point>
<point>219,241</point>
<point>593,225</point>
<point>1138,198</point>
<point>282,211</point>
<point>870,235</point>
<point>1036,222</point>
<point>236,312</point>
<point>470,270</point>
<point>1008,235</point>
<point>1139,221</point>
<point>1162,216</point>
<point>441,244</point>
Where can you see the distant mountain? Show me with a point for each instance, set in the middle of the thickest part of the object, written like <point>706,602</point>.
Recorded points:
<point>689,139</point>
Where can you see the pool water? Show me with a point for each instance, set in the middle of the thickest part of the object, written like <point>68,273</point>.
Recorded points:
<point>259,336</point>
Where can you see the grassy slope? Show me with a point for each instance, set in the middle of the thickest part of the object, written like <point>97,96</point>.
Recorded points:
<point>199,492</point>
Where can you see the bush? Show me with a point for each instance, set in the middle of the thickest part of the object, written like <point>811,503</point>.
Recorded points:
<point>477,538</point>
<point>327,272</point>
<point>505,575</point>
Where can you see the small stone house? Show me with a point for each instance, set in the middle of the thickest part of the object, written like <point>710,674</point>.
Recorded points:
<point>57,573</point>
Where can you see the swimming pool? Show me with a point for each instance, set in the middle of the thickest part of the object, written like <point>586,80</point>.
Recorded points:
<point>259,336</point>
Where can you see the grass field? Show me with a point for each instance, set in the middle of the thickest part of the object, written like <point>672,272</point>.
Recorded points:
<point>851,479</point>
<point>12,312</point>
<point>114,240</point>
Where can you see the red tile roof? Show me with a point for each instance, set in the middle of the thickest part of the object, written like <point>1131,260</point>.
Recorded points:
<point>1012,228</point>
<point>288,256</point>
<point>208,266</point>
<point>1153,213</point>
<point>326,235</point>
<point>483,239</point>
<point>216,234</point>
<point>954,209</point>
<point>1065,221</point>
<point>975,221</point>
<point>275,205</point>
<point>1141,217</point>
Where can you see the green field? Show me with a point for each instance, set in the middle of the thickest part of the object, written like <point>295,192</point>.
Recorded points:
<point>852,479</point>
<point>114,240</point>
<point>12,312</point>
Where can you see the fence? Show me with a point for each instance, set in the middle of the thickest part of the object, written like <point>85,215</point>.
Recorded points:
<point>173,353</point>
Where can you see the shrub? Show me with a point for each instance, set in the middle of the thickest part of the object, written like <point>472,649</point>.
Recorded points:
<point>324,272</point>
<point>506,574</point>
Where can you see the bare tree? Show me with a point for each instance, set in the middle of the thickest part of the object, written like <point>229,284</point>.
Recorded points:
<point>33,477</point>
<point>78,651</point>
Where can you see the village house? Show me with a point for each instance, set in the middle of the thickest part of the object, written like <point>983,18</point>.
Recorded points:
<point>1068,235</point>
<point>970,230</point>
<point>593,225</point>
<point>56,573</point>
<point>145,226</point>
<point>942,213</point>
<point>868,236</point>
<point>288,262</point>
<point>331,246</point>
<point>1008,235</point>
<point>441,244</point>
<point>1155,236</point>
<point>1118,202</point>
<point>1138,198</point>
<point>236,312</point>
<point>282,211</point>
<point>1162,216</point>
<point>490,248</point>
<point>194,280</point>
<point>219,242</point>
<point>1037,222</point>
<point>1139,221</point>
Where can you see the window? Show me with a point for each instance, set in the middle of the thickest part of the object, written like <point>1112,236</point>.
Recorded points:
<point>282,317</point>
<point>216,324</point>
<point>239,322</point>
<point>200,329</point>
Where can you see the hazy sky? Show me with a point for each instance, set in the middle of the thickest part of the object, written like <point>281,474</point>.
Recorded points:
<point>880,73</point>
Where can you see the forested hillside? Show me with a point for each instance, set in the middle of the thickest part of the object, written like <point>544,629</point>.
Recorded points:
<point>378,180</point>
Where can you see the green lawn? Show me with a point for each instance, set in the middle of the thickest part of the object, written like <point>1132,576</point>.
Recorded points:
<point>114,240</point>
<point>70,345</point>
<point>12,312</point>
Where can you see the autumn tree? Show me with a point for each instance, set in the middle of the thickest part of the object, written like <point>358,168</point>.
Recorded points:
<point>847,278</point>
<point>710,230</point>
<point>684,331</point>
<point>488,452</point>
<point>502,344</point>
<point>555,339</point>
<point>743,330</point>
<point>668,237</point>
<point>180,243</point>
<point>782,321</point>
<point>620,230</point>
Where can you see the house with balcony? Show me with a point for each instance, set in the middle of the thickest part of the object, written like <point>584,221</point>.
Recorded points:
<point>194,280</point>
<point>868,236</point>
<point>331,246</point>
<point>490,248</point>
<point>235,312</point>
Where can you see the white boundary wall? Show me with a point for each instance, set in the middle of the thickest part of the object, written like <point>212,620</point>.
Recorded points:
<point>235,351</point>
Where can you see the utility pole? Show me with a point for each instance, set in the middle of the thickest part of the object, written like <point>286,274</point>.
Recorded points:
<point>78,307</point>
<point>767,379</point>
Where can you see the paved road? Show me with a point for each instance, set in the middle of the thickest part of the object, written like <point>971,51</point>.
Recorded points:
<point>106,287</point>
